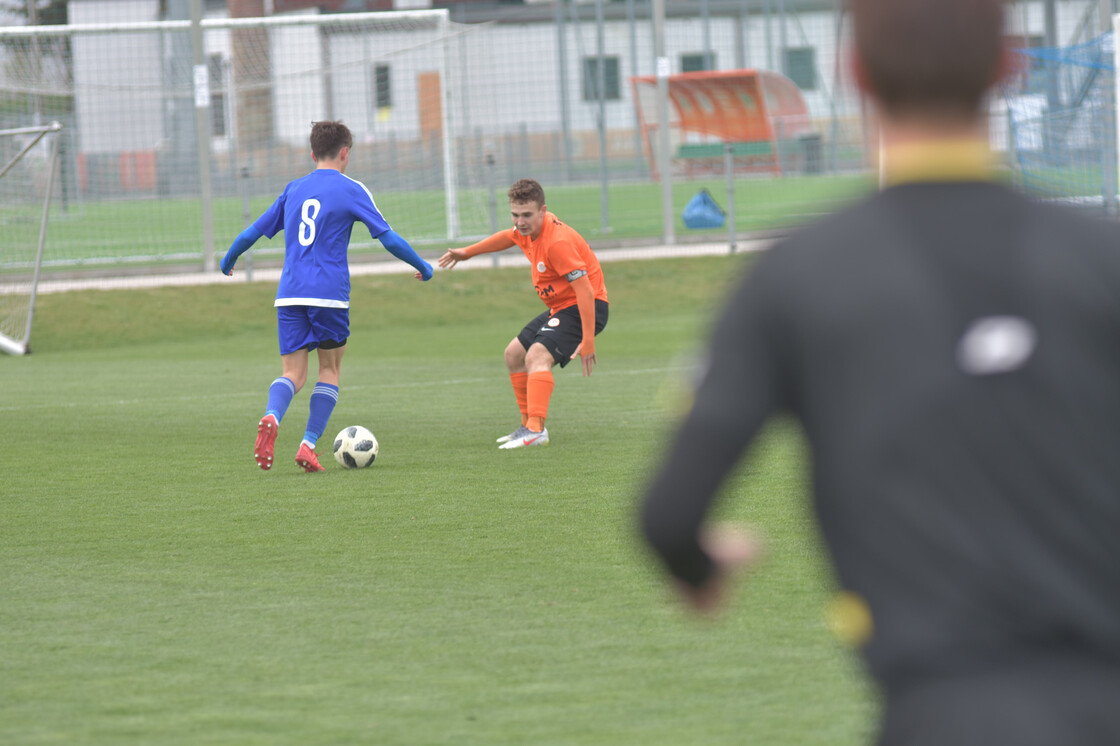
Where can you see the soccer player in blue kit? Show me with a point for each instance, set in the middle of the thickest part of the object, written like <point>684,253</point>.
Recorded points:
<point>317,214</point>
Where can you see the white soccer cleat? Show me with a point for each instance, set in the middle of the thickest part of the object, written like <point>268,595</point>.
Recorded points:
<point>526,439</point>
<point>515,434</point>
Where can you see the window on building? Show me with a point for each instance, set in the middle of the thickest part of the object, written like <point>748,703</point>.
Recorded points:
<point>382,87</point>
<point>801,67</point>
<point>216,67</point>
<point>611,89</point>
<point>691,63</point>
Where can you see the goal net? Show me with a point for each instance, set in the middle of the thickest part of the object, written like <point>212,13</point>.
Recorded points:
<point>129,95</point>
<point>1061,123</point>
<point>28,159</point>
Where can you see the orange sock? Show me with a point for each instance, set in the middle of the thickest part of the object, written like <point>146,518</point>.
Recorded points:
<point>520,383</point>
<point>539,391</point>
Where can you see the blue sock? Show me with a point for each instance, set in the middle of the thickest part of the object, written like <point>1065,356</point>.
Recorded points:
<point>323,399</point>
<point>280,395</point>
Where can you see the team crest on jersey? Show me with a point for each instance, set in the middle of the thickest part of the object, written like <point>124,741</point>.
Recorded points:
<point>554,321</point>
<point>541,267</point>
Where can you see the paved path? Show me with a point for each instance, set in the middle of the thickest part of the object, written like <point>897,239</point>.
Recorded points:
<point>391,266</point>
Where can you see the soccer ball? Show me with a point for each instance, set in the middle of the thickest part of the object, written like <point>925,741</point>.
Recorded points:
<point>355,447</point>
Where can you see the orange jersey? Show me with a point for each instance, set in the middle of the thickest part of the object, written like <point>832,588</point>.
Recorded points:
<point>557,253</point>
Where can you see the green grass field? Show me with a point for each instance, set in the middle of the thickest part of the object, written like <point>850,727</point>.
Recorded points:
<point>156,587</point>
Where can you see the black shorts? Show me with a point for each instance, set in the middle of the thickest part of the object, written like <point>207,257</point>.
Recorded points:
<point>562,332</point>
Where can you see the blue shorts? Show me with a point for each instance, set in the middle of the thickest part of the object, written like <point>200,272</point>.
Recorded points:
<point>310,327</point>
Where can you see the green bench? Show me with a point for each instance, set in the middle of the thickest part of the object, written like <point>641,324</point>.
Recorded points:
<point>759,149</point>
<point>708,157</point>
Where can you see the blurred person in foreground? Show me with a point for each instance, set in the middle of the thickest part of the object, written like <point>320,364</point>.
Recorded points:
<point>951,350</point>
<point>317,213</point>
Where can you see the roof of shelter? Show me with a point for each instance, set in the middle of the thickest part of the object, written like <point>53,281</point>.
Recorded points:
<point>733,105</point>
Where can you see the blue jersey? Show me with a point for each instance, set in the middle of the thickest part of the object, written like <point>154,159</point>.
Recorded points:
<point>317,214</point>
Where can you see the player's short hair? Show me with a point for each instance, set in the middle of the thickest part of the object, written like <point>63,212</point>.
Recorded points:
<point>329,137</point>
<point>929,56</point>
<point>525,191</point>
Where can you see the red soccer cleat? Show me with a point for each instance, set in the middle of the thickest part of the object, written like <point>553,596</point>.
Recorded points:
<point>307,459</point>
<point>266,439</point>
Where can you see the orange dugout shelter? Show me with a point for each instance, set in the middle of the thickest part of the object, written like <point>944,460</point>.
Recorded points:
<point>755,111</point>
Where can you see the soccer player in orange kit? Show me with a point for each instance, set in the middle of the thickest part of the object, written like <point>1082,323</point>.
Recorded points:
<point>568,278</point>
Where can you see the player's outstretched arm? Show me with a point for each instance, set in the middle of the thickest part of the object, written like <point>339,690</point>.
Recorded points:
<point>241,244</point>
<point>733,549</point>
<point>499,241</point>
<point>398,247</point>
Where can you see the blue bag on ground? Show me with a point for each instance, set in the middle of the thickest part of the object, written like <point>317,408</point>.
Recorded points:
<point>703,212</point>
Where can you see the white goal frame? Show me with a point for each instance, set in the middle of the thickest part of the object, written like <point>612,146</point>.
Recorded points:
<point>442,40</point>
<point>1116,82</point>
<point>9,344</point>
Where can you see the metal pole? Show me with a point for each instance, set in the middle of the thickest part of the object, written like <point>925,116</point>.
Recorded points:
<point>1053,98</point>
<point>490,187</point>
<point>56,128</point>
<point>1108,166</point>
<point>565,113</point>
<point>783,42</point>
<point>36,63</point>
<point>639,162</point>
<point>707,24</point>
<point>834,133</point>
<point>1116,97</point>
<point>601,85</point>
<point>742,26</point>
<point>729,166</point>
<point>769,39</point>
<point>235,156</point>
<point>447,132</point>
<point>202,132</point>
<point>246,216</point>
<point>663,165</point>
<point>464,75</point>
